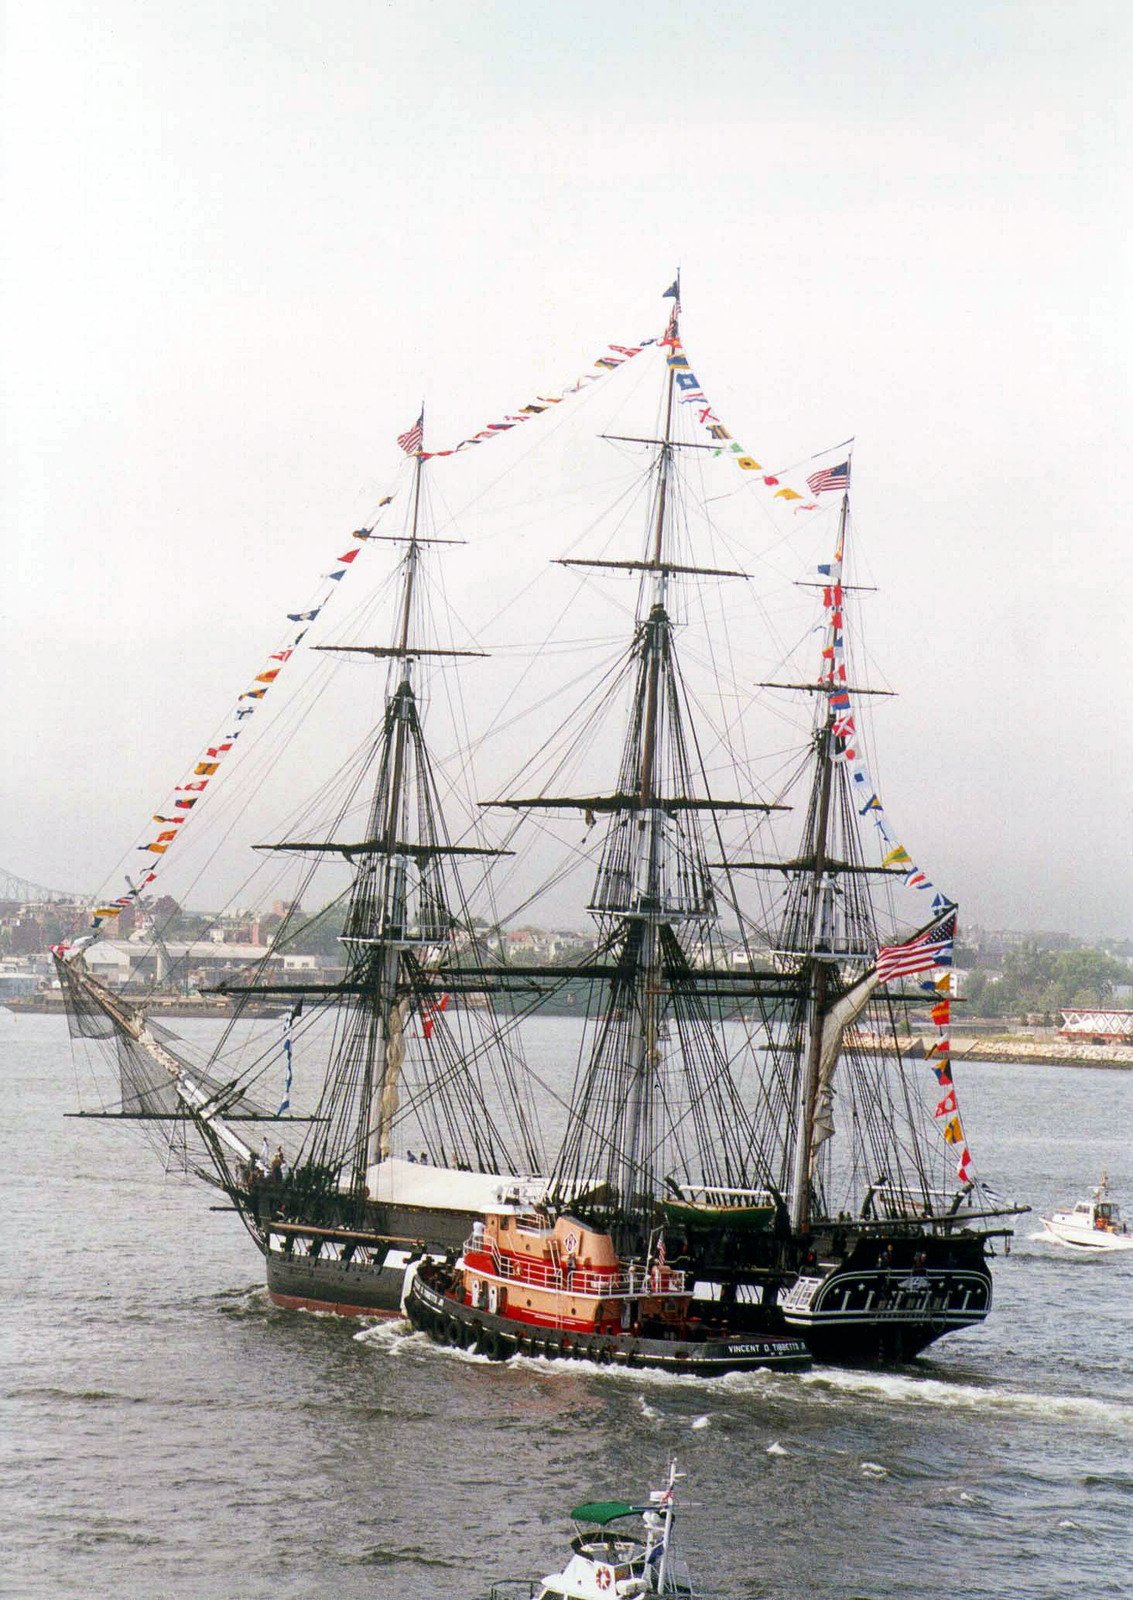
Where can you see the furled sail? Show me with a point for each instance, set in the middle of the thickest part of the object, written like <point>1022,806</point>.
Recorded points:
<point>390,1087</point>
<point>841,1015</point>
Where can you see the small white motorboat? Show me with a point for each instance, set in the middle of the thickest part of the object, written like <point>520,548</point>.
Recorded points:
<point>610,1558</point>
<point>1094,1224</point>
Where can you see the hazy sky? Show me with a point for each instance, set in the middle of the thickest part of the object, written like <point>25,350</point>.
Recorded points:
<point>242,241</point>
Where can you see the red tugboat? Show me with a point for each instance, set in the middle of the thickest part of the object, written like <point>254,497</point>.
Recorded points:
<point>533,1284</point>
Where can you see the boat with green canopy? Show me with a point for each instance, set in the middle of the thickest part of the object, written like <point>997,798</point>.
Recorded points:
<point>608,1559</point>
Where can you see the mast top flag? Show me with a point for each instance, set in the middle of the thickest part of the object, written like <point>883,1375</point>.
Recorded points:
<point>413,438</point>
<point>830,478</point>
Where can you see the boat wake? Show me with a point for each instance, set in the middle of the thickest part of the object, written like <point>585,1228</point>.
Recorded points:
<point>1079,1251</point>
<point>834,1385</point>
<point>397,1337</point>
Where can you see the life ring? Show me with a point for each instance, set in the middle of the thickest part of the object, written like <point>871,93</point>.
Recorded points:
<point>603,1577</point>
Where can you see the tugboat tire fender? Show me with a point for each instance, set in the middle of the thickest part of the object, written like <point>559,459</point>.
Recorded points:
<point>453,1330</point>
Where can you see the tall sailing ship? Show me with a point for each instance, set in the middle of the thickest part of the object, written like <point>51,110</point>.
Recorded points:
<point>750,1157</point>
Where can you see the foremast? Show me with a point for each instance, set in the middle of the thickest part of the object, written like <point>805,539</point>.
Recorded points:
<point>387,822</point>
<point>406,918</point>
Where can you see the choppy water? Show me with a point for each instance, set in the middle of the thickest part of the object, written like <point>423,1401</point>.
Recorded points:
<point>167,1433</point>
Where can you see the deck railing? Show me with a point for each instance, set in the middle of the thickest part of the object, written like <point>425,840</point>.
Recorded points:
<point>621,1283</point>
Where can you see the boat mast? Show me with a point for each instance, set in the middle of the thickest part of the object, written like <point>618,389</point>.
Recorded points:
<point>653,900</point>
<point>378,1100</point>
<point>820,948</point>
<point>644,1042</point>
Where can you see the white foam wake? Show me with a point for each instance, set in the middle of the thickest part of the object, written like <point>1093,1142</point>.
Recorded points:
<point>904,1390</point>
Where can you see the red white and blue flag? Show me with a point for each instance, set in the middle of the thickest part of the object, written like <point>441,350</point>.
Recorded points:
<point>829,478</point>
<point>411,441</point>
<point>932,948</point>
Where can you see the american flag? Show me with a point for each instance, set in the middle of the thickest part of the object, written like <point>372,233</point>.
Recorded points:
<point>931,948</point>
<point>411,442</point>
<point>829,478</point>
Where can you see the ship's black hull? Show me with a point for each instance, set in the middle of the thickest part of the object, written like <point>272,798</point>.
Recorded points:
<point>889,1299</point>
<point>883,1303</point>
<point>345,1288</point>
<point>859,1298</point>
<point>325,1260</point>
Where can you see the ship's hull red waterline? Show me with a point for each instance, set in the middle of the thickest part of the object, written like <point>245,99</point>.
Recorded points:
<point>850,1316</point>
<point>346,1270</point>
<point>449,1321</point>
<point>347,1289</point>
<point>833,1337</point>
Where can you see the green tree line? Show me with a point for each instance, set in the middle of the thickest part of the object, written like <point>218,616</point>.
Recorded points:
<point>1038,980</point>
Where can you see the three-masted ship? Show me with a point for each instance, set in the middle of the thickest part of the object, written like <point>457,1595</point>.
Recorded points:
<point>752,1166</point>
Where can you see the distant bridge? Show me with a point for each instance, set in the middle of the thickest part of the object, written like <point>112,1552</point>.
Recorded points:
<point>14,888</point>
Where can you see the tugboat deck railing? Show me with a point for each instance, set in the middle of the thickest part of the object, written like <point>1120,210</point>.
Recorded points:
<point>624,1283</point>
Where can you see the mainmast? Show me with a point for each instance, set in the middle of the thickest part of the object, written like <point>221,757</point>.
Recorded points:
<point>646,1042</point>
<point>655,1046</point>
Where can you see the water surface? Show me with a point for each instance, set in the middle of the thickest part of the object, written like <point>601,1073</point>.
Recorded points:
<point>168,1433</point>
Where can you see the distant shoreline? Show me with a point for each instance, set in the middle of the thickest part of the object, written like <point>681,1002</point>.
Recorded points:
<point>1017,1048</point>
<point>1023,1048</point>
